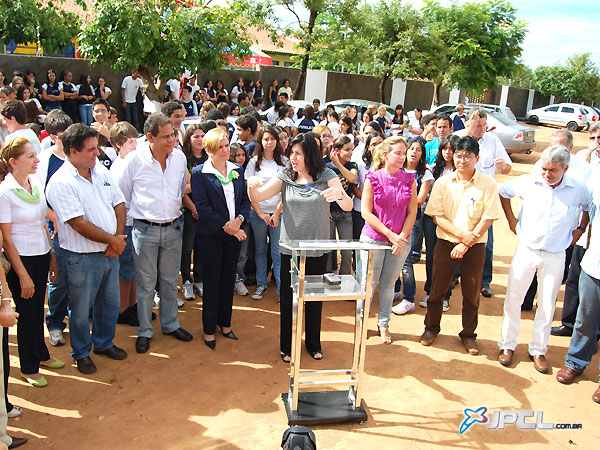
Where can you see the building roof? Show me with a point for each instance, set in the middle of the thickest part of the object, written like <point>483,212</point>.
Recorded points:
<point>72,6</point>
<point>263,43</point>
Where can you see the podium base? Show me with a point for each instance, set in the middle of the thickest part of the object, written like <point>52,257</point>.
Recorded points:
<point>323,407</point>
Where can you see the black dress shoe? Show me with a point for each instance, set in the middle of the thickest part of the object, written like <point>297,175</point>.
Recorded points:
<point>128,317</point>
<point>229,335</point>
<point>113,352</point>
<point>142,344</point>
<point>181,335</point>
<point>17,442</point>
<point>85,365</point>
<point>486,291</point>
<point>210,344</point>
<point>563,330</point>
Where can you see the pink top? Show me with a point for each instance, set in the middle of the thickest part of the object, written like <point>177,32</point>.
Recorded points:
<point>391,196</point>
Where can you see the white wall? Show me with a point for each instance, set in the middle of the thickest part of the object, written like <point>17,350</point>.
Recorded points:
<point>315,86</point>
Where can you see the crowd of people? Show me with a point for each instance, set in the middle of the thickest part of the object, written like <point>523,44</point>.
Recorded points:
<point>114,219</point>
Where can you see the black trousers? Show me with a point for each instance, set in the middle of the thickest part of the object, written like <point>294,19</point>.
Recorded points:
<point>189,239</point>
<point>6,367</point>
<point>30,327</point>
<point>571,302</point>
<point>312,310</point>
<point>219,256</point>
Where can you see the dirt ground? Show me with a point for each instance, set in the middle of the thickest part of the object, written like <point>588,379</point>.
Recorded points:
<point>185,396</point>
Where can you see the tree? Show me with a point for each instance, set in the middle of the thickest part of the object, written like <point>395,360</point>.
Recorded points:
<point>31,21</point>
<point>315,31</point>
<point>483,39</point>
<point>522,77</point>
<point>163,38</point>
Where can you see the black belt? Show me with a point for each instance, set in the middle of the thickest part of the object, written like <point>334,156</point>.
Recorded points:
<point>157,224</point>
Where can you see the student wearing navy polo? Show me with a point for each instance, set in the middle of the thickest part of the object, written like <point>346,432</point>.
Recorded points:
<point>52,92</point>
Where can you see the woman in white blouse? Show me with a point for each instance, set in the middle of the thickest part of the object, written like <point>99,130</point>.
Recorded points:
<point>27,246</point>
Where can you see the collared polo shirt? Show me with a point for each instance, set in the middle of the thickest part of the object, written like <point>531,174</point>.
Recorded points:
<point>152,194</point>
<point>70,195</point>
<point>548,216</point>
<point>464,204</point>
<point>28,224</point>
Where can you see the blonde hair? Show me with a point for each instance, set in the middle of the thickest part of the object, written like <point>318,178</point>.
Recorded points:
<point>206,107</point>
<point>212,139</point>
<point>384,148</point>
<point>12,148</point>
<point>320,128</point>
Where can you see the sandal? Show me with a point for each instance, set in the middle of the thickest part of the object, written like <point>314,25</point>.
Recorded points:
<point>285,357</point>
<point>316,355</point>
<point>386,338</point>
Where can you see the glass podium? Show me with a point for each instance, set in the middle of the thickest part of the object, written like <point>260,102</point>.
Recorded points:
<point>309,407</point>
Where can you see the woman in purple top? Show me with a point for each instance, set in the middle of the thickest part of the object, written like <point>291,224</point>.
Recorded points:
<point>389,207</point>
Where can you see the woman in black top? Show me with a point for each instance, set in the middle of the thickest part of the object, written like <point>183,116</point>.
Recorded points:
<point>86,97</point>
<point>222,94</point>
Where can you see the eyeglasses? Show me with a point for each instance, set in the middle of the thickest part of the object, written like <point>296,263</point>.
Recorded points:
<point>595,138</point>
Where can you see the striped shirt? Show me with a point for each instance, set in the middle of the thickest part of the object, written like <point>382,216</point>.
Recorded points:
<point>70,195</point>
<point>305,211</point>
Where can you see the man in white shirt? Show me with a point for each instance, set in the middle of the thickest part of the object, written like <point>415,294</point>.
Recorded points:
<point>584,342</point>
<point>15,118</point>
<point>548,223</point>
<point>592,153</point>
<point>129,90</point>
<point>492,157</point>
<point>174,86</point>
<point>90,216</point>
<point>153,182</point>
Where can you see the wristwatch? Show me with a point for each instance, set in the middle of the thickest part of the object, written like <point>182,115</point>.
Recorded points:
<point>239,216</point>
<point>582,229</point>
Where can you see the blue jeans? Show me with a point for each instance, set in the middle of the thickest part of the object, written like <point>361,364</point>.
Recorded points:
<point>386,269</point>
<point>93,281</point>
<point>489,256</point>
<point>584,342</point>
<point>418,233</point>
<point>58,295</point>
<point>342,221</point>
<point>261,229</point>
<point>131,115</point>
<point>85,112</point>
<point>157,255</point>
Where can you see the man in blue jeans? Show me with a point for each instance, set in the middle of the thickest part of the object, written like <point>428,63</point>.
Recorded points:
<point>153,182</point>
<point>90,216</point>
<point>584,342</point>
<point>130,87</point>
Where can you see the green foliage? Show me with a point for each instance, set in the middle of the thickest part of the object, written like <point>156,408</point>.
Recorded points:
<point>577,79</point>
<point>164,38</point>
<point>522,77</point>
<point>20,19</point>
<point>483,40</point>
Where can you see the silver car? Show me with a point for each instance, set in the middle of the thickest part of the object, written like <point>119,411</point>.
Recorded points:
<point>515,137</point>
<point>567,115</point>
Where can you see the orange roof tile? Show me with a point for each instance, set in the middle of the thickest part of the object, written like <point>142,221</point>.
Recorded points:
<point>72,6</point>
<point>263,43</point>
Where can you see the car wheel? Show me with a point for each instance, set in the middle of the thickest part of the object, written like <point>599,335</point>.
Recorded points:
<point>572,126</point>
<point>533,120</point>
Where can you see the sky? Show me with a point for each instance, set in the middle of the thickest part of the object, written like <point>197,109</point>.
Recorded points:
<point>557,29</point>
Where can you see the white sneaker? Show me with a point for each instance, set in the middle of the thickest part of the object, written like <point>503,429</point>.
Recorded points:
<point>404,307</point>
<point>423,303</point>
<point>240,288</point>
<point>180,303</point>
<point>56,338</point>
<point>156,299</point>
<point>188,291</point>
<point>260,291</point>
<point>16,411</point>
<point>446,306</point>
<point>199,289</point>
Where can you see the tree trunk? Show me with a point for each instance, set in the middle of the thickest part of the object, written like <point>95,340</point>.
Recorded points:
<point>306,57</point>
<point>382,83</point>
<point>153,92</point>
<point>436,93</point>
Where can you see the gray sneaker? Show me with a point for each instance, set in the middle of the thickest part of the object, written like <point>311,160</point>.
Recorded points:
<point>260,291</point>
<point>446,306</point>
<point>180,303</point>
<point>423,303</point>
<point>199,289</point>
<point>188,291</point>
<point>56,338</point>
<point>240,288</point>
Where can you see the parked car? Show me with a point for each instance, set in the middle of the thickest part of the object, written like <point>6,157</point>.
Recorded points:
<point>592,115</point>
<point>515,137</point>
<point>361,106</point>
<point>567,115</point>
<point>298,106</point>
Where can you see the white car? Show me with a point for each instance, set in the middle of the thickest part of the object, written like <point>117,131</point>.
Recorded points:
<point>592,115</point>
<point>567,115</point>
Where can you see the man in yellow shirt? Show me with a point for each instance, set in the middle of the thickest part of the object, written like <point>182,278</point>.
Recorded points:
<point>463,204</point>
